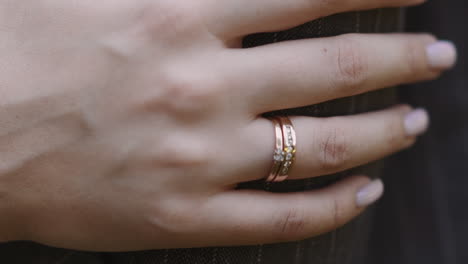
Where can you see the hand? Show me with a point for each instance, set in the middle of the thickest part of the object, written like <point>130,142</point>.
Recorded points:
<point>127,124</point>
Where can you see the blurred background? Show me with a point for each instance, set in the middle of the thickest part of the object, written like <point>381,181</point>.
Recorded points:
<point>423,217</point>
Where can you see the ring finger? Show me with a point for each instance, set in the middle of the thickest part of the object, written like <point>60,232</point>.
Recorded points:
<point>330,145</point>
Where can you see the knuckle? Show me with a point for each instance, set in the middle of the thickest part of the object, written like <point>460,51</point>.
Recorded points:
<point>351,70</point>
<point>333,149</point>
<point>192,95</point>
<point>183,153</point>
<point>171,217</point>
<point>290,224</point>
<point>166,18</point>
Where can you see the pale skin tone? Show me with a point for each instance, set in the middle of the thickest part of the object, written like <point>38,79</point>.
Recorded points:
<point>127,124</point>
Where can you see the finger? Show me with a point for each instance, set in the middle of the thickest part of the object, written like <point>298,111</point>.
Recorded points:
<point>330,145</point>
<point>256,217</point>
<point>305,72</point>
<point>236,18</point>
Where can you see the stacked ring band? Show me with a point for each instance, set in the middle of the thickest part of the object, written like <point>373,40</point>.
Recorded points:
<point>285,149</point>
<point>278,156</point>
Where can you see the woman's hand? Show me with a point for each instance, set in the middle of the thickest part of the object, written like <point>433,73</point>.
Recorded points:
<point>126,124</point>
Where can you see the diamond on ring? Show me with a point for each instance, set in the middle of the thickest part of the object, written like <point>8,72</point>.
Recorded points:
<point>285,149</point>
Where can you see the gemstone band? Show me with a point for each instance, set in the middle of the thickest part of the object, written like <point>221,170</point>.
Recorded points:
<point>285,149</point>
<point>289,143</point>
<point>279,155</point>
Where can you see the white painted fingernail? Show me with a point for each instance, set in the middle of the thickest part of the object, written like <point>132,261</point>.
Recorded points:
<point>416,122</point>
<point>441,54</point>
<point>370,193</point>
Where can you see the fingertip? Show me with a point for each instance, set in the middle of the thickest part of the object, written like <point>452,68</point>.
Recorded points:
<point>416,122</point>
<point>369,193</point>
<point>441,55</point>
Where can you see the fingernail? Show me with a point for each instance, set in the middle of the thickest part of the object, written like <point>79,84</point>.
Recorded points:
<point>370,193</point>
<point>416,122</point>
<point>441,54</point>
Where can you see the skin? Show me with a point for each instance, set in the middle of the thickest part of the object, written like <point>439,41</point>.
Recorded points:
<point>127,124</point>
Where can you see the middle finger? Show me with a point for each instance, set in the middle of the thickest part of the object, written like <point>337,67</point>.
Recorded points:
<point>304,72</point>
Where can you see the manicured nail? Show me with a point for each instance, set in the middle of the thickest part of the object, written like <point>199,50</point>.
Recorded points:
<point>441,54</point>
<point>416,122</point>
<point>370,193</point>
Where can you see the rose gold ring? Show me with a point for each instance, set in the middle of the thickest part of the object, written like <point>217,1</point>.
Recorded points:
<point>289,148</point>
<point>279,155</point>
<point>285,149</point>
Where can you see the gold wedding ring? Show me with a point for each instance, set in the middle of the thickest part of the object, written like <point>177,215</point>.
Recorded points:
<point>285,149</point>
